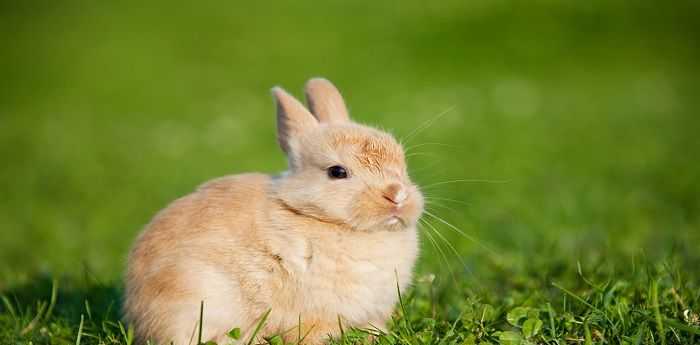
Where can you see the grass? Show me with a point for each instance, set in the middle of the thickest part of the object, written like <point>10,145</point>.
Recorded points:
<point>635,304</point>
<point>556,142</point>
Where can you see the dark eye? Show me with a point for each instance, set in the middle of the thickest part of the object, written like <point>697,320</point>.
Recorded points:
<point>337,172</point>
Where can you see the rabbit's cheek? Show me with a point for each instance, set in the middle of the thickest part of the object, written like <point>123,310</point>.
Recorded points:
<point>365,210</point>
<point>413,211</point>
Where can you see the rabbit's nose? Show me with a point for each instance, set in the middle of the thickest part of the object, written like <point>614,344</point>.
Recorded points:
<point>395,193</point>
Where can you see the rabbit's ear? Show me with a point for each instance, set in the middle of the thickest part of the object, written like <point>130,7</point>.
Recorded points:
<point>292,119</point>
<point>325,101</point>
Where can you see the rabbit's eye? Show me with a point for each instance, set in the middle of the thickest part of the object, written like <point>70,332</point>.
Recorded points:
<point>337,172</point>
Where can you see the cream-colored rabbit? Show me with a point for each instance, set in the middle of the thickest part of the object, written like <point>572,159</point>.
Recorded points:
<point>325,241</point>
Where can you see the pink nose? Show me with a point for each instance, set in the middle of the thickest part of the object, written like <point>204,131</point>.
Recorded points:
<point>395,193</point>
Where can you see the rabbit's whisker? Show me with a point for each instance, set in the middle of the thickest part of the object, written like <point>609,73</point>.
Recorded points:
<point>447,199</point>
<point>425,125</point>
<point>408,149</point>
<point>461,232</point>
<point>435,203</point>
<point>465,181</point>
<point>440,251</point>
<point>427,167</point>
<point>420,154</point>
<point>449,245</point>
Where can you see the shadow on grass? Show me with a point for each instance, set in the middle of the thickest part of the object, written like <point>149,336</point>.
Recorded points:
<point>73,296</point>
<point>43,309</point>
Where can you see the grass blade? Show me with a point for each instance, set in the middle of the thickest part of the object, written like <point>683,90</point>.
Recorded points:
<point>36,319</point>
<point>201,321</point>
<point>654,292</point>
<point>575,296</point>
<point>259,326</point>
<point>80,330</point>
<point>587,333</point>
<point>403,307</point>
<point>54,297</point>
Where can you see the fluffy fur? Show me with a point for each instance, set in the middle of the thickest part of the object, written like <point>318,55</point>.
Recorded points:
<point>307,246</point>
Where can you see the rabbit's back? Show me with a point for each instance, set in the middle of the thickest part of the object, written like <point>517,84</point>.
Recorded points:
<point>219,213</point>
<point>194,250</point>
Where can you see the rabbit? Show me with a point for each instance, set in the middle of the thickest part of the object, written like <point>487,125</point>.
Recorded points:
<point>326,242</point>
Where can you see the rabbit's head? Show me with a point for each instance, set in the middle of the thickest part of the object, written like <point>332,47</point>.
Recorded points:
<point>341,172</point>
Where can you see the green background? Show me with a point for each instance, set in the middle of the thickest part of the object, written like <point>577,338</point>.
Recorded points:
<point>584,113</point>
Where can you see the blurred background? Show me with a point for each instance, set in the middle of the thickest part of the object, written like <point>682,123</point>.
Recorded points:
<point>581,115</point>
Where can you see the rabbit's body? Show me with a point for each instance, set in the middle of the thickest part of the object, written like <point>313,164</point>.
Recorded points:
<point>210,246</point>
<point>248,243</point>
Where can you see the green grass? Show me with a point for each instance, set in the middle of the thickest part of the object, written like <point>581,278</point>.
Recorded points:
<point>634,304</point>
<point>572,125</point>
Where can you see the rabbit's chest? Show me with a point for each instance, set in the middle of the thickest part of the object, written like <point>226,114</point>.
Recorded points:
<point>354,275</point>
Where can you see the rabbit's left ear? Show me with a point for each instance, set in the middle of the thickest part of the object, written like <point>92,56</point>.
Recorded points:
<point>293,120</point>
<point>325,101</point>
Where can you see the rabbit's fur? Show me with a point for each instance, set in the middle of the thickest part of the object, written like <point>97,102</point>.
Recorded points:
<point>310,247</point>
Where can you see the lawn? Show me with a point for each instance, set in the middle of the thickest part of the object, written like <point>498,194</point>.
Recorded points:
<point>562,173</point>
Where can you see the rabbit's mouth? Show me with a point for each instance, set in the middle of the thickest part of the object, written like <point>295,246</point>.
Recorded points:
<point>395,223</point>
<point>396,220</point>
<point>403,215</point>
